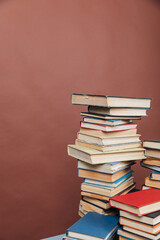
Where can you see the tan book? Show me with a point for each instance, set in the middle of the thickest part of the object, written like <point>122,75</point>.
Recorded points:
<point>118,112</point>
<point>91,208</point>
<point>105,198</point>
<point>96,157</point>
<point>152,161</point>
<point>155,176</point>
<point>140,226</point>
<point>98,133</point>
<point>153,153</point>
<point>152,183</point>
<point>141,233</point>
<point>129,235</point>
<point>104,191</point>
<point>102,204</point>
<point>103,176</point>
<point>109,140</point>
<point>153,144</point>
<point>105,168</point>
<point>110,101</point>
<point>108,148</point>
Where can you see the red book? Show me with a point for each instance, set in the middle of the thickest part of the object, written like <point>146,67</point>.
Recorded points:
<point>139,203</point>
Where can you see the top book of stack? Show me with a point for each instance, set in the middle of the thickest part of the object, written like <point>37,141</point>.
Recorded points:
<point>110,101</point>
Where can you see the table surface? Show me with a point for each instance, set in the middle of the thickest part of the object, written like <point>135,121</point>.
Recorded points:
<point>59,237</point>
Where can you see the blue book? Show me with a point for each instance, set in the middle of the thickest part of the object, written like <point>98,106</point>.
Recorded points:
<point>155,168</point>
<point>114,184</point>
<point>94,226</point>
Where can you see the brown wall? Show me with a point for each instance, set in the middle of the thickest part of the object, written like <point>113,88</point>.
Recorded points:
<point>48,50</point>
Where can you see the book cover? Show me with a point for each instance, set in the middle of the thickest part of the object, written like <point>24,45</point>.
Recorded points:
<point>140,198</point>
<point>95,225</point>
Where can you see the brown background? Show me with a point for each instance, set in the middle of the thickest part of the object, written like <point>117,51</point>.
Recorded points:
<point>48,50</point>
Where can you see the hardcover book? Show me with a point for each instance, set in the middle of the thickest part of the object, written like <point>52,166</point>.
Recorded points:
<point>94,226</point>
<point>139,203</point>
<point>109,101</point>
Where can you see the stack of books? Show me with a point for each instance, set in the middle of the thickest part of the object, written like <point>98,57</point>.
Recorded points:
<point>106,147</point>
<point>139,214</point>
<point>152,152</point>
<point>94,226</point>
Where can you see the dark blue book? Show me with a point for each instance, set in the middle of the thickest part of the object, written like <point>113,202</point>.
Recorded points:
<point>94,226</point>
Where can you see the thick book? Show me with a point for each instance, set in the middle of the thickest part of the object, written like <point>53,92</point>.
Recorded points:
<point>152,162</point>
<point>109,141</point>
<point>105,191</point>
<point>103,176</point>
<point>108,148</point>
<point>154,144</point>
<point>118,112</point>
<point>139,203</point>
<point>129,235</point>
<point>90,207</point>
<point>109,168</point>
<point>110,101</point>
<point>97,202</point>
<point>140,226</point>
<point>141,233</point>
<point>107,128</point>
<point>101,134</point>
<point>110,184</point>
<point>155,175</point>
<point>94,226</point>
<point>109,122</point>
<point>106,198</point>
<point>152,183</point>
<point>153,153</point>
<point>151,218</point>
<point>155,168</point>
<point>96,157</point>
<point>106,116</point>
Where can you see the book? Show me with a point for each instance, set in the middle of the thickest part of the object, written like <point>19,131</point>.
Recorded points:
<point>109,122</point>
<point>96,157</point>
<point>141,233</point>
<point>140,226</point>
<point>155,168</point>
<point>155,175</point>
<point>105,191</point>
<point>151,218</point>
<point>154,144</point>
<point>90,207</point>
<point>107,128</point>
<point>109,141</point>
<point>109,168</point>
<point>94,226</point>
<point>139,203</point>
<point>106,116</point>
<point>109,185</point>
<point>109,101</point>
<point>152,183</point>
<point>118,112</point>
<point>106,198</point>
<point>100,203</point>
<point>108,148</point>
<point>145,187</point>
<point>101,134</point>
<point>130,235</point>
<point>152,162</point>
<point>103,176</point>
<point>153,153</point>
